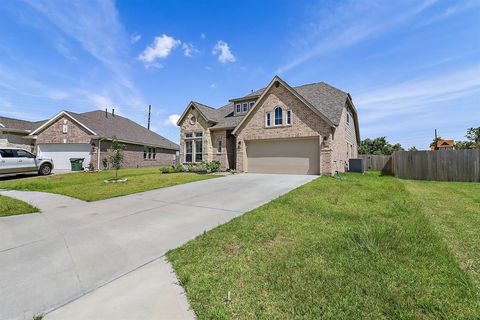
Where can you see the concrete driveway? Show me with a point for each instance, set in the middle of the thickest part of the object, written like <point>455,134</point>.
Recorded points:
<point>105,257</point>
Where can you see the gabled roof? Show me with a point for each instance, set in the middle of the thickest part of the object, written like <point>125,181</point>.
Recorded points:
<point>324,99</point>
<point>99,124</point>
<point>17,124</point>
<point>277,81</point>
<point>107,125</point>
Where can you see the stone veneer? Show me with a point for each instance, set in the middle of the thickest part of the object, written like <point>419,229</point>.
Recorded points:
<point>305,123</point>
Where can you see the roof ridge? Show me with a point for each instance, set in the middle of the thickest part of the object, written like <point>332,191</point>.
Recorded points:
<point>204,105</point>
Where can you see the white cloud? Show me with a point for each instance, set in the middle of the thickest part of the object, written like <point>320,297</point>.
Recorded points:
<point>135,37</point>
<point>161,48</point>
<point>96,27</point>
<point>327,30</point>
<point>58,95</point>
<point>213,86</point>
<point>171,121</point>
<point>223,51</point>
<point>99,101</point>
<point>189,50</point>
<point>202,35</point>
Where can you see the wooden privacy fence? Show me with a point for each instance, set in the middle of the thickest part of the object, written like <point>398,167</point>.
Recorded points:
<point>448,165</point>
<point>377,163</point>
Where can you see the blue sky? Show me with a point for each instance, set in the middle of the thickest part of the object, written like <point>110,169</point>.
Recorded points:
<point>410,66</point>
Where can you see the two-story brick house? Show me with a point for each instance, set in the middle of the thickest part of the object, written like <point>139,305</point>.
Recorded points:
<point>309,129</point>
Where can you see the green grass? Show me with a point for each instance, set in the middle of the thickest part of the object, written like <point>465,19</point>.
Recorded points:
<point>91,186</point>
<point>369,247</point>
<point>11,207</point>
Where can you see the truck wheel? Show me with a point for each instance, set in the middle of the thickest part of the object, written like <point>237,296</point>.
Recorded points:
<point>45,170</point>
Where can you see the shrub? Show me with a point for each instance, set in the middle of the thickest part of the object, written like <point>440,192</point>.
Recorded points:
<point>213,166</point>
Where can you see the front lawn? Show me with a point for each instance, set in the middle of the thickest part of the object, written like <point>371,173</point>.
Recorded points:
<point>369,247</point>
<point>11,207</point>
<point>90,186</point>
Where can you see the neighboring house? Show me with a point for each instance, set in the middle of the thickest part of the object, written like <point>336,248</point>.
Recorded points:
<point>444,145</point>
<point>309,129</point>
<point>88,135</point>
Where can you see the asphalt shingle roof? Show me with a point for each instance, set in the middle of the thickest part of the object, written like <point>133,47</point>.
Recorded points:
<point>328,100</point>
<point>11,123</point>
<point>122,128</point>
<point>104,126</point>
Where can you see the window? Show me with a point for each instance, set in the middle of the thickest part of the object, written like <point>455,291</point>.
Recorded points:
<point>188,135</point>
<point>348,118</point>
<point>251,104</point>
<point>219,146</point>
<point>199,134</point>
<point>198,150</point>
<point>245,107</point>
<point>268,119</point>
<point>7,153</point>
<point>145,152</point>
<point>238,107</point>
<point>188,151</point>
<point>289,116</point>
<point>23,154</point>
<point>154,153</point>
<point>278,116</point>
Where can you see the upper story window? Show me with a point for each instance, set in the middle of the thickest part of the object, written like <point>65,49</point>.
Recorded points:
<point>267,119</point>
<point>278,116</point>
<point>251,104</point>
<point>289,116</point>
<point>348,118</point>
<point>237,106</point>
<point>188,135</point>
<point>245,107</point>
<point>199,134</point>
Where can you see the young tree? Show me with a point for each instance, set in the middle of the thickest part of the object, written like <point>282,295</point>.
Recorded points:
<point>116,159</point>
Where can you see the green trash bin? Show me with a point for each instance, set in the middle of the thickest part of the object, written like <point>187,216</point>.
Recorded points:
<point>77,164</point>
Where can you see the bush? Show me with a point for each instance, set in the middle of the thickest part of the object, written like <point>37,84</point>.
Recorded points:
<point>213,166</point>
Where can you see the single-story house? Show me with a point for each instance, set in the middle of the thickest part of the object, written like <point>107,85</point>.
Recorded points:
<point>308,129</point>
<point>88,135</point>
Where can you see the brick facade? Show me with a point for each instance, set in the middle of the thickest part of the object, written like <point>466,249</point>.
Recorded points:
<point>14,140</point>
<point>133,156</point>
<point>305,123</point>
<point>336,145</point>
<point>75,133</point>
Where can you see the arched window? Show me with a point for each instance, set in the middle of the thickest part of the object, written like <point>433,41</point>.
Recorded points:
<point>278,116</point>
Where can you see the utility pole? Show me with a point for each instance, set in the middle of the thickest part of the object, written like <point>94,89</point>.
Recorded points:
<point>149,113</point>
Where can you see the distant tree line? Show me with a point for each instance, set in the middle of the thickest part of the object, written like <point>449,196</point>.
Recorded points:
<point>381,146</point>
<point>378,146</point>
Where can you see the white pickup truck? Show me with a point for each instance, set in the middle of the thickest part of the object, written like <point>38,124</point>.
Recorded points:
<point>13,160</point>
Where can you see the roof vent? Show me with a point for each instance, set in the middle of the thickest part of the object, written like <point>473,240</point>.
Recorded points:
<point>106,113</point>
<point>113,112</point>
<point>276,84</point>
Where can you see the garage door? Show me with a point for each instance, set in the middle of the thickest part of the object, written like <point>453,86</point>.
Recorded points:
<point>300,156</point>
<point>61,153</point>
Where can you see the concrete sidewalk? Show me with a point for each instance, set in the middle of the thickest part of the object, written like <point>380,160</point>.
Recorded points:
<point>85,252</point>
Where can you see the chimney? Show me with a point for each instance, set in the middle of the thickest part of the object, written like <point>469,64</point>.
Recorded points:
<point>106,113</point>
<point>113,112</point>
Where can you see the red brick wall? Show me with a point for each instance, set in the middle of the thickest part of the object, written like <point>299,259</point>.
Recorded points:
<point>54,133</point>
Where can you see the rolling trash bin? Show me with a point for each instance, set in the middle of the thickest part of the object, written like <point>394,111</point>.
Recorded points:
<point>77,164</point>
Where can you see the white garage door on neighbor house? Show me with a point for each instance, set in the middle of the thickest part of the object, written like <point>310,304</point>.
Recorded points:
<point>61,153</point>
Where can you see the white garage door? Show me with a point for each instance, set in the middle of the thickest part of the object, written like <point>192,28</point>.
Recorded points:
<point>300,156</point>
<point>61,153</point>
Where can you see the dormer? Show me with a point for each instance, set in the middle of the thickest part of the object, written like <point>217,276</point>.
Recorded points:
<point>243,104</point>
